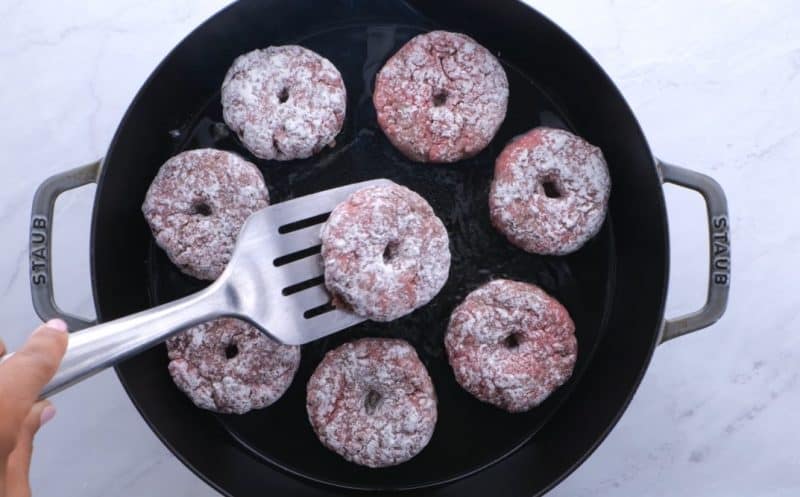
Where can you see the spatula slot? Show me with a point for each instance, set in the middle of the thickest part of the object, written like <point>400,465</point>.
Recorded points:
<point>299,287</point>
<point>303,223</point>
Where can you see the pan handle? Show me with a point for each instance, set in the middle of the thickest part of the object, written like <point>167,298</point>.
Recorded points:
<point>41,270</point>
<point>719,274</point>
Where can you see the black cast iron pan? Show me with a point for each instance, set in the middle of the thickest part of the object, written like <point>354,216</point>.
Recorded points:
<point>614,287</point>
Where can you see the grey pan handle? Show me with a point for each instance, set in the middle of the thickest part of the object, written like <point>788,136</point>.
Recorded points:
<point>41,270</point>
<point>719,273</point>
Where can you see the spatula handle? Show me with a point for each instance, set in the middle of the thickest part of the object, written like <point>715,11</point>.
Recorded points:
<point>98,347</point>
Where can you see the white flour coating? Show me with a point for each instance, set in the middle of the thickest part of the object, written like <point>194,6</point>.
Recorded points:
<point>197,205</point>
<point>284,102</point>
<point>372,402</point>
<point>520,207</point>
<point>516,373</point>
<point>229,366</point>
<point>385,252</point>
<point>441,97</point>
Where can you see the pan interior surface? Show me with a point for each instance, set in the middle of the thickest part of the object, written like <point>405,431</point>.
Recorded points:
<point>469,435</point>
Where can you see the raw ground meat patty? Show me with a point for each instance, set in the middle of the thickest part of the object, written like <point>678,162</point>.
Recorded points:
<point>385,252</point>
<point>372,402</point>
<point>197,205</point>
<point>284,102</point>
<point>229,366</point>
<point>511,344</point>
<point>441,97</point>
<point>550,191</point>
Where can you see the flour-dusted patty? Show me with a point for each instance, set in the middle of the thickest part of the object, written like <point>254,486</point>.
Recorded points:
<point>550,191</point>
<point>284,102</point>
<point>229,366</point>
<point>441,97</point>
<point>385,252</point>
<point>197,205</point>
<point>372,402</point>
<point>511,344</point>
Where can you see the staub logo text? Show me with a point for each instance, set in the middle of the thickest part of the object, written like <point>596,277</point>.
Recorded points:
<point>720,251</point>
<point>39,250</point>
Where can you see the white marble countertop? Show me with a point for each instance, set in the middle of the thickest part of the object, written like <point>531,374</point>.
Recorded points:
<point>716,87</point>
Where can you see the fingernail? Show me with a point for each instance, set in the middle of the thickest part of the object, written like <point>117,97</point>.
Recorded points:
<point>57,324</point>
<point>48,413</point>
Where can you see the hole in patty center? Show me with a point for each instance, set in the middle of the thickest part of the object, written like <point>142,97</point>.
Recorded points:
<point>389,252</point>
<point>202,209</point>
<point>551,189</point>
<point>283,95</point>
<point>439,98</point>
<point>231,351</point>
<point>371,401</point>
<point>511,341</point>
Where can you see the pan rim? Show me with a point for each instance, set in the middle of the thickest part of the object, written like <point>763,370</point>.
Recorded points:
<point>619,409</point>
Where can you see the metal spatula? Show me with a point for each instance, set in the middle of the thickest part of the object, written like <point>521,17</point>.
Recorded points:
<point>273,280</point>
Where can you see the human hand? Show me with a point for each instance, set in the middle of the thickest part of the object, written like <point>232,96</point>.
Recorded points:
<point>22,377</point>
